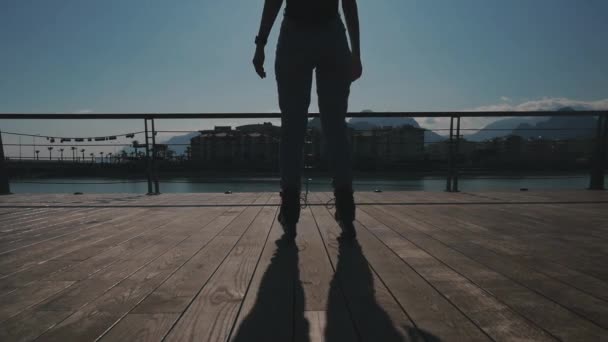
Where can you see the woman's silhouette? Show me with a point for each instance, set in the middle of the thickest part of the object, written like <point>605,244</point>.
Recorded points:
<point>313,37</point>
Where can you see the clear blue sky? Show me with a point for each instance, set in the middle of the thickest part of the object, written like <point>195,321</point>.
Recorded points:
<point>194,56</point>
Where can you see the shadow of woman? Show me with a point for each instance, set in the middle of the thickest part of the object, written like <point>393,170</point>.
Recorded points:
<point>279,305</point>
<point>353,283</point>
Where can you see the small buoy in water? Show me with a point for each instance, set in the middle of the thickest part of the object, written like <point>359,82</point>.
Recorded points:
<point>377,190</point>
<point>78,193</point>
<point>228,192</point>
<point>523,189</point>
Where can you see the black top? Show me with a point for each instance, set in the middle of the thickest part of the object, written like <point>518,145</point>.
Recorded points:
<point>312,11</point>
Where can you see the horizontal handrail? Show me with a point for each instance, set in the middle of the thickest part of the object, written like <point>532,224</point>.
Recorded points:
<point>132,116</point>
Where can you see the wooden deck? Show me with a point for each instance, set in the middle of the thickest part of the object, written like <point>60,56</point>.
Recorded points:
<point>509,266</point>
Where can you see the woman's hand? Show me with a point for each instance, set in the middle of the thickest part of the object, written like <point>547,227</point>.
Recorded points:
<point>258,61</point>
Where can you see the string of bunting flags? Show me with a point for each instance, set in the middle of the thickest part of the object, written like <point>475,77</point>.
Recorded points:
<point>82,139</point>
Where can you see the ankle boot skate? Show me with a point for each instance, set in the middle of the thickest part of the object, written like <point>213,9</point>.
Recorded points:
<point>345,211</point>
<point>289,212</point>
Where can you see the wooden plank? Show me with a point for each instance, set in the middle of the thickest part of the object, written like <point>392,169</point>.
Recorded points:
<point>491,315</point>
<point>62,226</point>
<point>181,217</point>
<point>80,326</point>
<point>268,312</point>
<point>313,262</point>
<point>24,215</point>
<point>427,307</point>
<point>375,312</point>
<point>19,259</point>
<point>237,227</point>
<point>521,242</point>
<point>560,231</point>
<point>137,233</point>
<point>179,290</point>
<point>97,283</point>
<point>141,327</point>
<point>85,293</point>
<point>588,306</point>
<point>10,305</point>
<point>67,300</point>
<point>175,294</point>
<point>120,239</point>
<point>16,223</point>
<point>101,229</point>
<point>96,317</point>
<point>27,261</point>
<point>35,273</point>
<point>576,232</point>
<point>323,304</point>
<point>211,315</point>
<point>52,222</point>
<point>444,245</point>
<point>596,210</point>
<point>315,327</point>
<point>30,324</point>
<point>29,273</point>
<point>592,308</point>
<point>552,317</point>
<point>10,212</point>
<point>576,279</point>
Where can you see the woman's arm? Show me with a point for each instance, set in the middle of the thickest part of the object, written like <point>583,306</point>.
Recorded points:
<point>351,14</point>
<point>269,15</point>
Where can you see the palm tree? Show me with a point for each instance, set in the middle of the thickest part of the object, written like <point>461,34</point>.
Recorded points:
<point>37,153</point>
<point>136,147</point>
<point>82,153</point>
<point>74,153</point>
<point>50,148</point>
<point>101,154</point>
<point>61,149</point>
<point>110,157</point>
<point>92,157</point>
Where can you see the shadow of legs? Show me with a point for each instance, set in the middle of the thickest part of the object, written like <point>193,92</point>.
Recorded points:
<point>274,314</point>
<point>353,282</point>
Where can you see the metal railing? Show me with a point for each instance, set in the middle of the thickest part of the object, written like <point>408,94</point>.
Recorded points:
<point>453,140</point>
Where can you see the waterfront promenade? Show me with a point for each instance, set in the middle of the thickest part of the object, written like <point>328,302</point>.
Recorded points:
<point>426,266</point>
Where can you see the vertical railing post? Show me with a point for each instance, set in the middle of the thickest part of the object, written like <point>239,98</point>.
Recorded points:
<point>598,159</point>
<point>154,162</point>
<point>448,186</point>
<point>604,153</point>
<point>148,166</point>
<point>5,188</point>
<point>456,152</point>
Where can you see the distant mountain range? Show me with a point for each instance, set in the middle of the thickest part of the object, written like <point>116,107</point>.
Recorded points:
<point>524,126</point>
<point>370,123</point>
<point>364,124</point>
<point>528,127</point>
<point>555,128</point>
<point>180,140</point>
<point>501,128</point>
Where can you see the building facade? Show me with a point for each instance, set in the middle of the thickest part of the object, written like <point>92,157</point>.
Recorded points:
<point>250,146</point>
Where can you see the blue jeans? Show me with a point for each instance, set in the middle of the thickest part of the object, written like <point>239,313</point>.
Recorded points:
<point>300,50</point>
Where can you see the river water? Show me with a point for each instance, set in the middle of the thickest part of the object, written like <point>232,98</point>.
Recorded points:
<point>188,185</point>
